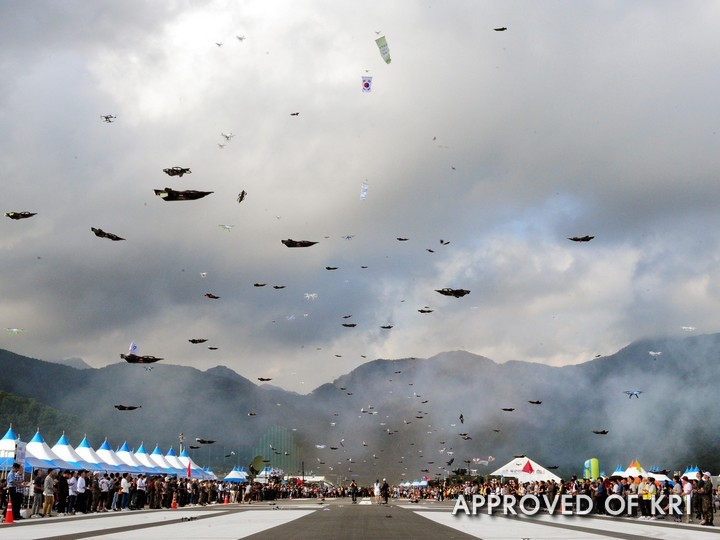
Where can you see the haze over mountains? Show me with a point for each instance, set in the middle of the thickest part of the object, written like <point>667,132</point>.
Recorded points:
<point>395,417</point>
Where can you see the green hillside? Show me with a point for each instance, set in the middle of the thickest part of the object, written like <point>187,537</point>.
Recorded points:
<point>27,415</point>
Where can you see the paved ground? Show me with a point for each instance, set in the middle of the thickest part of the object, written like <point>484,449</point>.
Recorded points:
<point>306,518</point>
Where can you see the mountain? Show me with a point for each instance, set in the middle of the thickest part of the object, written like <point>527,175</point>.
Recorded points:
<point>27,414</point>
<point>77,363</point>
<point>401,417</point>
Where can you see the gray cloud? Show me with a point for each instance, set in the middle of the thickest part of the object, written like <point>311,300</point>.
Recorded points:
<point>592,119</point>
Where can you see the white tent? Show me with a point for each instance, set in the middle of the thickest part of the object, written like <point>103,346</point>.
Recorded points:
<point>263,476</point>
<point>160,461</point>
<point>85,451</point>
<point>525,470</point>
<point>63,450</point>
<point>105,453</point>
<point>173,460</point>
<point>195,471</point>
<point>235,476</point>
<point>142,456</point>
<point>129,458</point>
<point>7,455</point>
<point>38,448</point>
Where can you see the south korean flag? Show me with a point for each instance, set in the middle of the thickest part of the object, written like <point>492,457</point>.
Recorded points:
<point>366,84</point>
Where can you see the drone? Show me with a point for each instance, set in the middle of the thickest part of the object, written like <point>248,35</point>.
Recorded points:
<point>108,118</point>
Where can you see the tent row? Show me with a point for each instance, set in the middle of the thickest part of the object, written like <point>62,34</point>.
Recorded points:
<point>635,470</point>
<point>526,470</point>
<point>63,456</point>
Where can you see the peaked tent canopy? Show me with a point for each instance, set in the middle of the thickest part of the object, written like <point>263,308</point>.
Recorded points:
<point>160,461</point>
<point>7,455</point>
<point>208,473</point>
<point>129,458</point>
<point>142,456</point>
<point>38,448</point>
<point>235,476</point>
<point>635,470</point>
<point>63,449</point>
<point>195,471</point>
<point>173,460</point>
<point>85,451</point>
<point>105,452</point>
<point>525,470</point>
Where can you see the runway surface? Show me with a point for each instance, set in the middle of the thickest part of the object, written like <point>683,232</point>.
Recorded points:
<point>338,518</point>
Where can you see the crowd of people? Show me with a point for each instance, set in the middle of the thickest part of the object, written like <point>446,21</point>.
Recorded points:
<point>51,493</point>
<point>699,498</point>
<point>48,493</point>
<point>59,493</point>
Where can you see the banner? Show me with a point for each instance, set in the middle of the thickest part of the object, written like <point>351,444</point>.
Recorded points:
<point>384,50</point>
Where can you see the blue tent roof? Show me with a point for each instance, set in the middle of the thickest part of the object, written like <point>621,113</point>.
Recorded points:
<point>63,441</point>
<point>10,435</point>
<point>84,443</point>
<point>105,446</point>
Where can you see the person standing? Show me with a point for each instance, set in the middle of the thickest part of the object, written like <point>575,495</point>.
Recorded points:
<point>15,488</point>
<point>385,490</point>
<point>95,491</point>
<point>104,484</point>
<point>649,494</point>
<point>353,491</point>
<point>141,492</point>
<point>601,494</point>
<point>676,493</point>
<point>49,493</point>
<point>705,492</point>
<point>642,493</point>
<point>63,491</point>
<point>687,497</point>
<point>37,493</point>
<point>125,490</point>
<point>81,488</point>
<point>114,494</point>
<point>72,493</point>
<point>376,490</point>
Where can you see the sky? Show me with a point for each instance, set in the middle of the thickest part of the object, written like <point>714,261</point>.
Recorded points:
<point>582,118</point>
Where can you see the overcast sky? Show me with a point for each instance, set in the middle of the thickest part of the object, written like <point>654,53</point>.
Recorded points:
<point>582,118</point>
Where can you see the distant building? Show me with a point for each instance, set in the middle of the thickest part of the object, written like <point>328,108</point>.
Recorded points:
<point>278,445</point>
